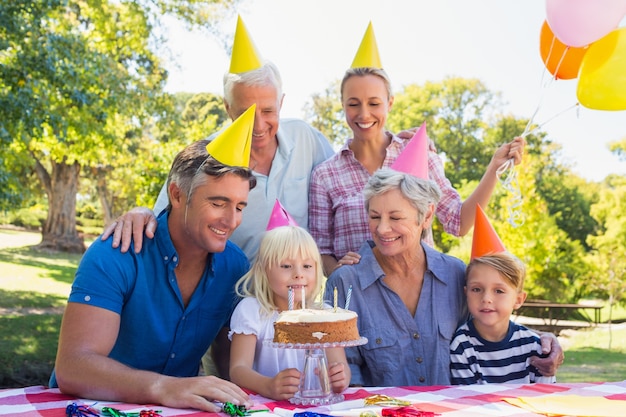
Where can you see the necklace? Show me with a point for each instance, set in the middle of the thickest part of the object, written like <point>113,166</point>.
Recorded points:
<point>253,164</point>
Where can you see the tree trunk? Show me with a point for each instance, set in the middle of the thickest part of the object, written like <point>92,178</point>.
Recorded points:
<point>100,174</point>
<point>59,232</point>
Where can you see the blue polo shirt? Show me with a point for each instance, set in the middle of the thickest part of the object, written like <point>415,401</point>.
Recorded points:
<point>157,332</point>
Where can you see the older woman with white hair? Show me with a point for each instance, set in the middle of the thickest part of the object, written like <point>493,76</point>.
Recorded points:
<point>409,297</point>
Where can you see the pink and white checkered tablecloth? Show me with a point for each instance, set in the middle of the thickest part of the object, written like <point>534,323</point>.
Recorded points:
<point>457,401</point>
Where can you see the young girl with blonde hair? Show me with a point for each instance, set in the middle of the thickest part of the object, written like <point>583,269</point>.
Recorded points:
<point>288,261</point>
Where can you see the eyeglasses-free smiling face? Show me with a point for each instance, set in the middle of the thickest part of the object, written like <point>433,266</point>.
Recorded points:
<point>266,117</point>
<point>393,223</point>
<point>366,103</point>
<point>214,211</point>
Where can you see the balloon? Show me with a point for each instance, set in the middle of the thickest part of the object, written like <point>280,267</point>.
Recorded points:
<point>561,60</point>
<point>602,77</point>
<point>581,22</point>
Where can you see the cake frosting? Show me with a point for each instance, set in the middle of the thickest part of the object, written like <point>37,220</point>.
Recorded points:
<point>316,326</point>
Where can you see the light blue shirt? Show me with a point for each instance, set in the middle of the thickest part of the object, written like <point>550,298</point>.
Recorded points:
<point>157,332</point>
<point>402,350</point>
<point>300,149</point>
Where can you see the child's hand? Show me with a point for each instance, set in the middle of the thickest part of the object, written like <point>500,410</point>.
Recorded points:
<point>339,379</point>
<point>285,384</point>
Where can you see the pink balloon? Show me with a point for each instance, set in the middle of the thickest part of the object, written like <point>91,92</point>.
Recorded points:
<point>581,22</point>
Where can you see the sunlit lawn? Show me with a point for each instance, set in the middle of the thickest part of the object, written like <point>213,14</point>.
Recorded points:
<point>30,279</point>
<point>597,354</point>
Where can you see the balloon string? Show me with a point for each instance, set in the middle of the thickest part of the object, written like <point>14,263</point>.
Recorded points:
<point>545,70</point>
<point>506,173</point>
<point>544,87</point>
<point>531,131</point>
<point>532,118</point>
<point>507,176</point>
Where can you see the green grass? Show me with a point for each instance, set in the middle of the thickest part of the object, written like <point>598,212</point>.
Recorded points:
<point>30,279</point>
<point>27,349</point>
<point>594,355</point>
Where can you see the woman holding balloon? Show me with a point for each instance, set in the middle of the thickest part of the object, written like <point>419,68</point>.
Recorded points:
<point>337,217</point>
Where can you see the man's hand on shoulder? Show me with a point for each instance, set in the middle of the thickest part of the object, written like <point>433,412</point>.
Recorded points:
<point>548,365</point>
<point>130,227</point>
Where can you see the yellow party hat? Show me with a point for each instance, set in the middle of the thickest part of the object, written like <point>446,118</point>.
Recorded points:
<point>232,145</point>
<point>367,55</point>
<point>245,56</point>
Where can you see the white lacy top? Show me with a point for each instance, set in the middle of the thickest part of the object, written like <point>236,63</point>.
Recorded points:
<point>268,361</point>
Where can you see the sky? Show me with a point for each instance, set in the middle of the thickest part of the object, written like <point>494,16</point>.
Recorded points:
<point>313,42</point>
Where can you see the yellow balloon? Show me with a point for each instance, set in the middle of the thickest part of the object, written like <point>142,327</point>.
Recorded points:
<point>602,77</point>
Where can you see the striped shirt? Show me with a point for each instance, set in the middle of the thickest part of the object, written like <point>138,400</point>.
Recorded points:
<point>338,220</point>
<point>474,360</point>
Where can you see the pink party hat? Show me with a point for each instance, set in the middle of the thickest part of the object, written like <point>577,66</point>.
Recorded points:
<point>414,157</point>
<point>485,240</point>
<point>280,217</point>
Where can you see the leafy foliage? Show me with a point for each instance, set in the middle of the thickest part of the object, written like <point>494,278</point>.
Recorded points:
<point>80,84</point>
<point>325,113</point>
<point>464,122</point>
<point>609,256</point>
<point>457,113</point>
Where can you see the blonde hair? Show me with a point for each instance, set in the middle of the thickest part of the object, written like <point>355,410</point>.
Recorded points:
<point>362,72</point>
<point>285,242</point>
<point>509,267</point>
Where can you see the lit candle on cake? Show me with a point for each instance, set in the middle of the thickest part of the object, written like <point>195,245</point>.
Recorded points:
<point>290,298</point>
<point>335,298</point>
<point>348,296</point>
<point>303,296</point>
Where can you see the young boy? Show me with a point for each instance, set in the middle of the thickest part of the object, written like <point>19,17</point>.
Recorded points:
<point>490,347</point>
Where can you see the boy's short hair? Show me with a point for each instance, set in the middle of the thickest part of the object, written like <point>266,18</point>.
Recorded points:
<point>509,266</point>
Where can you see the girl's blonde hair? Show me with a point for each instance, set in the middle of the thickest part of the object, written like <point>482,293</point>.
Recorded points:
<point>285,242</point>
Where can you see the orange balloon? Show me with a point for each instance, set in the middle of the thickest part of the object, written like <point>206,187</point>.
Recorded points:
<point>561,60</point>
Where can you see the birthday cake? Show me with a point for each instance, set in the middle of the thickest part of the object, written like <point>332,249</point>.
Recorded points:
<point>316,326</point>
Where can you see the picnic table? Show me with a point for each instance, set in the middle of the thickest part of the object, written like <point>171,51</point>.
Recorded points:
<point>552,312</point>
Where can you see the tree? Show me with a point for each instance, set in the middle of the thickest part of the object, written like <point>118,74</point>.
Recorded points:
<point>555,265</point>
<point>75,77</point>
<point>619,148</point>
<point>203,114</point>
<point>148,159</point>
<point>325,113</point>
<point>609,243</point>
<point>463,119</point>
<point>457,112</point>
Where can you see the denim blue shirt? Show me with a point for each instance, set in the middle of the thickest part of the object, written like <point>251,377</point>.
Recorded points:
<point>157,332</point>
<point>401,349</point>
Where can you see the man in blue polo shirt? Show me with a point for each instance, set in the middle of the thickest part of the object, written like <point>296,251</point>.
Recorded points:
<point>137,324</point>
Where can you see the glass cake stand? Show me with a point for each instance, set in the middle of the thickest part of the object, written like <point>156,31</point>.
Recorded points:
<point>314,382</point>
